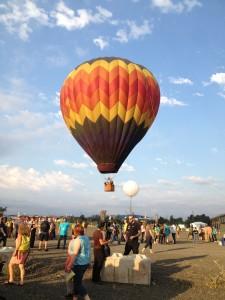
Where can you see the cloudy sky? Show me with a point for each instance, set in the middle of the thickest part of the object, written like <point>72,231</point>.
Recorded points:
<point>180,163</point>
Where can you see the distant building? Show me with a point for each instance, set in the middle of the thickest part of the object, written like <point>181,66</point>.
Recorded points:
<point>219,222</point>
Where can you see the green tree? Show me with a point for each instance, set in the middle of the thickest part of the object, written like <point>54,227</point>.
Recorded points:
<point>197,218</point>
<point>162,220</point>
<point>2,210</point>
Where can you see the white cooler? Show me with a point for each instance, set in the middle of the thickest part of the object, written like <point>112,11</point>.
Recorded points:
<point>133,269</point>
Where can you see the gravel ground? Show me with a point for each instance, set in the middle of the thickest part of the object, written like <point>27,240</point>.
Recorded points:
<point>182,271</point>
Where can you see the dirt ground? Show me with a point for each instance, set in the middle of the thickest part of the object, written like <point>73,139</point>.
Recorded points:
<point>182,271</point>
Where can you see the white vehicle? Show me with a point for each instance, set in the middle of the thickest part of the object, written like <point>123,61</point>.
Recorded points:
<point>199,225</point>
<point>182,226</point>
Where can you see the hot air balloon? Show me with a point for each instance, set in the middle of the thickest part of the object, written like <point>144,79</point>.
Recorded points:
<point>109,104</point>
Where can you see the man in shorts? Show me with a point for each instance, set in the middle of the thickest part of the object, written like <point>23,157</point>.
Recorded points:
<point>44,234</point>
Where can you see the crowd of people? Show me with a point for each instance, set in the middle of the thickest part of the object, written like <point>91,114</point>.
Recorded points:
<point>132,232</point>
<point>206,233</point>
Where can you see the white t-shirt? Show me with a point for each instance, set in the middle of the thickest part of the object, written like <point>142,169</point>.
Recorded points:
<point>74,246</point>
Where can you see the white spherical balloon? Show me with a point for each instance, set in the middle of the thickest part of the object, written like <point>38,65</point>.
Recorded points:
<point>130,188</point>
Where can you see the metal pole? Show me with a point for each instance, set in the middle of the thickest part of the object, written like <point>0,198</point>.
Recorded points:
<point>131,205</point>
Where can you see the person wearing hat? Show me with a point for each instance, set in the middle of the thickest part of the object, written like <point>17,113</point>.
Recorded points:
<point>99,255</point>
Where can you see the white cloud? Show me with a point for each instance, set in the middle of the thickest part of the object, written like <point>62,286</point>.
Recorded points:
<point>190,4</point>
<point>171,101</point>
<point>12,100</point>
<point>101,42</point>
<point>81,52</point>
<point>71,20</point>
<point>221,95</point>
<point>85,155</point>
<point>167,6</point>
<point>15,96</point>
<point>201,180</point>
<point>74,165</point>
<point>205,83</point>
<point>28,119</point>
<point>18,17</point>
<point>180,80</point>
<point>17,178</point>
<point>133,31</point>
<point>162,161</point>
<point>138,31</point>
<point>214,150</point>
<point>122,36</point>
<point>198,94</point>
<point>56,99</point>
<point>55,57</point>
<point>218,78</point>
<point>166,182</point>
<point>25,129</point>
<point>104,14</point>
<point>127,168</point>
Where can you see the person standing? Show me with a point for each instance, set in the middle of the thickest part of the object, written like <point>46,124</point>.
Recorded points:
<point>149,234</point>
<point>132,234</point>
<point>80,253</point>
<point>214,234</point>
<point>3,231</point>
<point>33,228</point>
<point>173,232</point>
<point>44,234</point>
<point>108,230</point>
<point>99,255</point>
<point>52,233</point>
<point>143,231</point>
<point>156,230</point>
<point>166,233</point>
<point>63,229</point>
<point>20,254</point>
<point>195,234</point>
<point>115,233</point>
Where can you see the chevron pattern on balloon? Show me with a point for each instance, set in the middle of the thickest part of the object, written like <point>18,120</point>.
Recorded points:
<point>109,89</point>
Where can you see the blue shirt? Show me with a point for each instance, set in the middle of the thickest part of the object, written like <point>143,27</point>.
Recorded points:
<point>84,255</point>
<point>167,230</point>
<point>63,228</point>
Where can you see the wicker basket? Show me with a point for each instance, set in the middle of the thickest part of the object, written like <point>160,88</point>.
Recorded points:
<point>109,187</point>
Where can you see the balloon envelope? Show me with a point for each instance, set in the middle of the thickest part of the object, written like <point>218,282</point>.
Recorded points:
<point>109,104</point>
<point>130,188</point>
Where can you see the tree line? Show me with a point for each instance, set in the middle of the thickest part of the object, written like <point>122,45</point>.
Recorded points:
<point>119,218</point>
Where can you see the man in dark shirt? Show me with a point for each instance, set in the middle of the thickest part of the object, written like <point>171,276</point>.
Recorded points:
<point>44,234</point>
<point>132,233</point>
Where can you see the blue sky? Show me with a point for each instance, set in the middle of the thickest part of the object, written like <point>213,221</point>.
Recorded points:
<point>179,165</point>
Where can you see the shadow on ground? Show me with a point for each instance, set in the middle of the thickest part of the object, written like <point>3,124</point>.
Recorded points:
<point>51,286</point>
